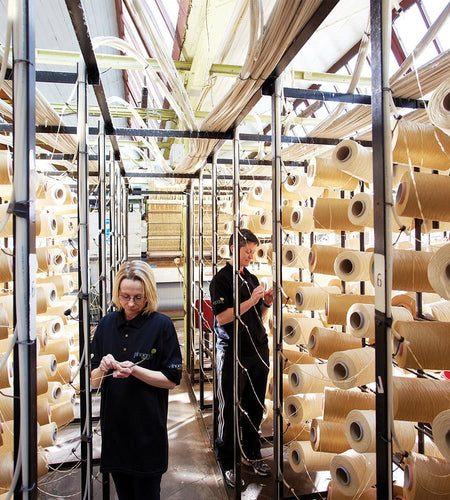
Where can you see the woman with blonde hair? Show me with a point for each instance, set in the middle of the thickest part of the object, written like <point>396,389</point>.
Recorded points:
<point>136,360</point>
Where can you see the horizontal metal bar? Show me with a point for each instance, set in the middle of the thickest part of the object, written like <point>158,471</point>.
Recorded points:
<point>319,95</point>
<point>56,129</point>
<point>161,175</point>
<point>173,133</point>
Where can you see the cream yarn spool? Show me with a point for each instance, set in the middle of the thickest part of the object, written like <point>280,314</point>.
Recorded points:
<point>5,267</point>
<point>323,342</point>
<point>263,253</point>
<point>294,256</point>
<point>223,252</point>
<point>423,196</point>
<point>441,432</point>
<point>354,159</point>
<point>321,258</point>
<point>337,306</point>
<point>439,106</point>
<point>339,402</point>
<point>322,172</point>
<point>360,212</point>
<point>260,195</point>
<point>419,399</point>
<point>420,144</point>
<point>298,408</point>
<point>424,345</point>
<point>7,231</point>
<point>296,187</point>
<point>308,378</point>
<point>302,458</point>
<point>297,328</point>
<point>6,373</point>
<point>328,436</point>
<point>314,298</point>
<point>353,472</point>
<point>361,434</point>
<point>439,311</point>
<point>330,214</point>
<point>409,271</point>
<point>48,435</point>
<point>48,363</point>
<point>53,325</point>
<point>353,266</point>
<point>62,413</point>
<point>5,167</point>
<point>361,319</point>
<point>292,355</point>
<point>333,493</point>
<point>53,393</point>
<point>439,271</point>
<point>298,219</point>
<point>426,477</point>
<point>46,225</point>
<point>348,369</point>
<point>259,224</point>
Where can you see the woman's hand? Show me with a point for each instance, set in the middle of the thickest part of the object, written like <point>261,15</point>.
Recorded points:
<point>123,369</point>
<point>107,363</point>
<point>257,294</point>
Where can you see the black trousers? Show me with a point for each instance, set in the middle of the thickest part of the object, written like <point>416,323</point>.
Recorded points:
<point>130,487</point>
<point>253,384</point>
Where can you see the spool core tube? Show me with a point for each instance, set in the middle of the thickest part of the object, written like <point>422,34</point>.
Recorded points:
<point>356,431</point>
<point>358,208</point>
<point>340,371</point>
<point>343,476</point>
<point>346,266</point>
<point>343,153</point>
<point>357,320</point>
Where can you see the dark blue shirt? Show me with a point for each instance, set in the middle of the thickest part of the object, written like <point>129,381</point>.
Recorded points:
<point>251,330</point>
<point>134,414</point>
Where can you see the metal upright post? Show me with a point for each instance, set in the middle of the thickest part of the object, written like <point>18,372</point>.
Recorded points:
<point>25,264</point>
<point>190,283</point>
<point>112,219</point>
<point>84,283</point>
<point>380,14</point>
<point>236,337</point>
<point>214,271</point>
<point>201,333</point>
<point>125,220</point>
<point>102,220</point>
<point>277,286</point>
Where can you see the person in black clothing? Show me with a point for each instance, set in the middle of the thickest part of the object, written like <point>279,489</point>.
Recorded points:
<point>254,305</point>
<point>136,359</point>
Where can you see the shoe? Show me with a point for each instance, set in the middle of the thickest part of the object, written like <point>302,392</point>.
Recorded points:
<point>230,478</point>
<point>259,467</point>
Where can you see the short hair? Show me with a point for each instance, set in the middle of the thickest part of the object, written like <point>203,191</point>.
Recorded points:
<point>244,236</point>
<point>137,270</point>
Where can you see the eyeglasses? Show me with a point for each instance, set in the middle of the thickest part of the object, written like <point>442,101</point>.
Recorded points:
<point>127,298</point>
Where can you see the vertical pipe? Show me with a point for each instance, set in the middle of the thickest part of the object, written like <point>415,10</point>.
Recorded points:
<point>214,271</point>
<point>25,264</point>
<point>83,294</point>
<point>125,220</point>
<point>112,219</point>
<point>201,333</point>
<point>190,282</point>
<point>102,219</point>
<point>380,12</point>
<point>277,286</point>
<point>236,337</point>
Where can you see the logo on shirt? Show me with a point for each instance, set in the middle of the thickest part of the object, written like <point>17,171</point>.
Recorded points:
<point>144,356</point>
<point>220,300</point>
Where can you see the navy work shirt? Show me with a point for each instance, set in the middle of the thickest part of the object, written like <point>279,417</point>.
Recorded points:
<point>134,414</point>
<point>221,291</point>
